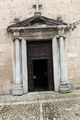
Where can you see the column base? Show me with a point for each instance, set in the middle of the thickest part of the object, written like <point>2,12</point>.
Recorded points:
<point>17,89</point>
<point>64,87</point>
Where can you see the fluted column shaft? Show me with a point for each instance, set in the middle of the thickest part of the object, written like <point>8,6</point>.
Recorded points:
<point>17,85</point>
<point>64,82</point>
<point>24,66</point>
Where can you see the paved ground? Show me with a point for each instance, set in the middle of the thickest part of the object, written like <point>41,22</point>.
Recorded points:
<point>41,106</point>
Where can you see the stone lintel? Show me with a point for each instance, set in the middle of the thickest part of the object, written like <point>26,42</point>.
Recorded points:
<point>62,27</point>
<point>14,29</point>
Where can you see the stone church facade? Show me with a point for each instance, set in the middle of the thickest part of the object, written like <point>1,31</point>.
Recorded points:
<point>39,49</point>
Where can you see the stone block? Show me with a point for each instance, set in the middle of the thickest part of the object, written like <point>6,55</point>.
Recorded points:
<point>17,89</point>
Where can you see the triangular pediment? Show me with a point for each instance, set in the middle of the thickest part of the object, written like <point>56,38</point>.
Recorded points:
<point>37,21</point>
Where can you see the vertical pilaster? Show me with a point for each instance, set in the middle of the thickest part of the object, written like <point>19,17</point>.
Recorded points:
<point>24,66</point>
<point>17,86</point>
<point>56,63</point>
<point>64,82</point>
<point>18,69</point>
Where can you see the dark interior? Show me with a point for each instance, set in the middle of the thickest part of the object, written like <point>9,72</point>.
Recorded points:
<point>40,75</point>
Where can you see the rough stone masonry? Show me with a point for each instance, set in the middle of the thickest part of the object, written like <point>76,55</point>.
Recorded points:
<point>70,12</point>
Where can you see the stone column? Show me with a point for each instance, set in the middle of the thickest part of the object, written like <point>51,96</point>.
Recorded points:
<point>64,83</point>
<point>24,66</point>
<point>17,86</point>
<point>56,63</point>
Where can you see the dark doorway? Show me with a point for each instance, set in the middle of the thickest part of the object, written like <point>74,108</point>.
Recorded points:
<point>40,75</point>
<point>40,67</point>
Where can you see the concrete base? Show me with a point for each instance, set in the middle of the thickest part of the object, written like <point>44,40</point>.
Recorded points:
<point>17,89</point>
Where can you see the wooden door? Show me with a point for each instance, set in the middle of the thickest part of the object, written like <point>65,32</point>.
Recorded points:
<point>37,51</point>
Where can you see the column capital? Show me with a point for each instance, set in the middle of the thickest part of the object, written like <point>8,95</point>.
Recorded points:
<point>61,31</point>
<point>58,36</point>
<point>16,35</point>
<point>61,27</point>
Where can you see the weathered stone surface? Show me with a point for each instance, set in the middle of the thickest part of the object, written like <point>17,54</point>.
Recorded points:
<point>24,66</point>
<point>20,112</point>
<point>41,106</point>
<point>56,63</point>
<point>17,89</point>
<point>70,12</point>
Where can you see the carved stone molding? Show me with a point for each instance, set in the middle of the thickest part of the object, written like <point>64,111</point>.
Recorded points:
<point>17,89</point>
<point>16,35</point>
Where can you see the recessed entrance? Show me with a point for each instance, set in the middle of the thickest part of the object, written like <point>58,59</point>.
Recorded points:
<point>40,75</point>
<point>40,67</point>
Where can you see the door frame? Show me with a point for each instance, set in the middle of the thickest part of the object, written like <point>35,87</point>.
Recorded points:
<point>49,66</point>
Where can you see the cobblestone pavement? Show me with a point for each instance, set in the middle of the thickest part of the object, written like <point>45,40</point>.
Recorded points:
<point>41,106</point>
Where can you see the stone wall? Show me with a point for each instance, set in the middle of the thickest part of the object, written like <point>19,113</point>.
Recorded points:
<point>68,9</point>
